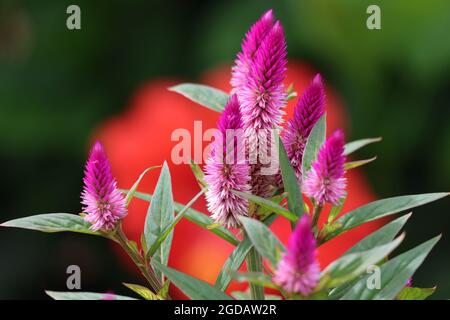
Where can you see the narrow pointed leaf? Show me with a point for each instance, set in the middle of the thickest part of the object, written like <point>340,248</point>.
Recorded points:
<point>169,229</point>
<point>411,293</point>
<point>144,292</point>
<point>132,190</point>
<point>206,96</point>
<point>335,210</point>
<point>194,288</point>
<point>79,295</point>
<point>395,273</point>
<point>263,239</point>
<point>269,205</point>
<point>382,236</point>
<point>236,258</point>
<point>351,265</point>
<point>53,222</point>
<point>160,215</point>
<point>358,163</point>
<point>315,140</point>
<point>198,173</point>
<point>358,144</point>
<point>382,208</point>
<point>258,278</point>
<point>291,186</point>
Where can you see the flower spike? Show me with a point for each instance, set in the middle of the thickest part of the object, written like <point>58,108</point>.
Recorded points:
<point>325,181</point>
<point>299,269</point>
<point>226,169</point>
<point>309,109</point>
<point>102,201</point>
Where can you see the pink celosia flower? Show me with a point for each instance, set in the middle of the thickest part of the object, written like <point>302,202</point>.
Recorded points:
<point>258,82</point>
<point>325,181</point>
<point>101,199</point>
<point>227,169</point>
<point>299,270</point>
<point>250,44</point>
<point>309,109</point>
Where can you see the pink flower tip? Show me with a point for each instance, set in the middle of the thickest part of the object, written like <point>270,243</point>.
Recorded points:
<point>309,109</point>
<point>102,201</point>
<point>325,182</point>
<point>299,269</point>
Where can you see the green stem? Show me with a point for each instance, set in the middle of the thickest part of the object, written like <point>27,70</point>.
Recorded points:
<point>138,260</point>
<point>254,264</point>
<point>316,215</point>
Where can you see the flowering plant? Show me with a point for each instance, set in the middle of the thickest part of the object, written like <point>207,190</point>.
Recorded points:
<point>256,171</point>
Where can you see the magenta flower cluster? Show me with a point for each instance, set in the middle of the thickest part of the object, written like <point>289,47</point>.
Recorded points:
<point>257,79</point>
<point>102,201</point>
<point>256,106</point>
<point>254,109</point>
<point>299,270</point>
<point>325,182</point>
<point>225,170</point>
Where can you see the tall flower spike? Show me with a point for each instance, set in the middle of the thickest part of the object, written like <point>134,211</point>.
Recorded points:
<point>227,169</point>
<point>309,109</point>
<point>102,201</point>
<point>299,269</point>
<point>250,45</point>
<point>325,181</point>
<point>262,99</point>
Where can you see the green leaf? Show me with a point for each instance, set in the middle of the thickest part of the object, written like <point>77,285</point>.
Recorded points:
<point>274,207</point>
<point>335,210</point>
<point>263,212</point>
<point>195,289</point>
<point>382,236</point>
<point>79,295</point>
<point>351,265</point>
<point>144,292</point>
<point>198,218</point>
<point>382,208</point>
<point>206,96</point>
<point>291,186</point>
<point>263,239</point>
<point>131,192</point>
<point>395,273</point>
<point>167,232</point>
<point>411,293</point>
<point>160,215</point>
<point>244,295</point>
<point>315,140</point>
<point>236,258</point>
<point>53,222</point>
<point>358,144</point>
<point>164,291</point>
<point>258,278</point>
<point>198,173</point>
<point>358,163</point>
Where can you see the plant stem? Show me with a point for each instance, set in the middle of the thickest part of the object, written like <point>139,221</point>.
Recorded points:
<point>316,215</point>
<point>138,260</point>
<point>254,264</point>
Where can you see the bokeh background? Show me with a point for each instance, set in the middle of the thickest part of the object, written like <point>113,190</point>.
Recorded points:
<point>57,86</point>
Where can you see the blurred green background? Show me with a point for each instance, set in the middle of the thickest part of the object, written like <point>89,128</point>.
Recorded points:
<point>56,85</point>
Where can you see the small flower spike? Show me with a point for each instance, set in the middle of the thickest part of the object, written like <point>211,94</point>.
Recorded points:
<point>102,201</point>
<point>227,169</point>
<point>299,269</point>
<point>325,182</point>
